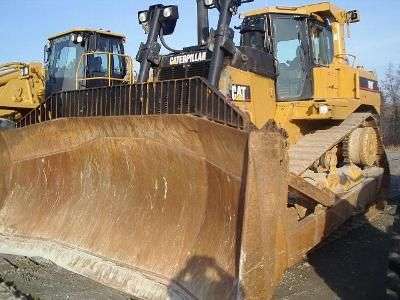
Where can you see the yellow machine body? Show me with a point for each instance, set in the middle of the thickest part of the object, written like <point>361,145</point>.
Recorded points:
<point>21,88</point>
<point>336,85</point>
<point>23,85</point>
<point>177,189</point>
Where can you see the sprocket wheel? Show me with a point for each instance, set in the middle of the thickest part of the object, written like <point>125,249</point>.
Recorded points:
<point>362,147</point>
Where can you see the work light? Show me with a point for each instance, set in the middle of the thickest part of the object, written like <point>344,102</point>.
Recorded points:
<point>167,12</point>
<point>168,19</point>
<point>208,3</point>
<point>143,16</point>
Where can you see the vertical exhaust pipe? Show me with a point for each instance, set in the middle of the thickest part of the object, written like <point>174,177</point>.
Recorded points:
<point>148,51</point>
<point>227,8</point>
<point>217,61</point>
<point>203,27</point>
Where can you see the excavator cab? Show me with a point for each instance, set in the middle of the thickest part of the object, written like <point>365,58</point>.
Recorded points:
<point>83,58</point>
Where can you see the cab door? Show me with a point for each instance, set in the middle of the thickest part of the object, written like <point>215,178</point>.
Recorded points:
<point>291,48</point>
<point>325,74</point>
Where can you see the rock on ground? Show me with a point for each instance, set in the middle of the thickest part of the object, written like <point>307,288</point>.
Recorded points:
<point>352,267</point>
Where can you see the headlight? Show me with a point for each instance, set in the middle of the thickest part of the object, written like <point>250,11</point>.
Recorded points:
<point>73,37</point>
<point>79,39</point>
<point>324,109</point>
<point>167,12</point>
<point>208,2</point>
<point>142,17</point>
<point>168,18</point>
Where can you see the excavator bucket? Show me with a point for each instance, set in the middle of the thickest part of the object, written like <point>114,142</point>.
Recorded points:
<point>169,206</point>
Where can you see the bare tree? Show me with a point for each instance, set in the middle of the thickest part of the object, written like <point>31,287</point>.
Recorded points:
<point>390,122</point>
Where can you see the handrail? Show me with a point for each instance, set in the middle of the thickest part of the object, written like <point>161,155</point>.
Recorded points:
<point>182,96</point>
<point>345,55</point>
<point>109,76</point>
<point>8,68</point>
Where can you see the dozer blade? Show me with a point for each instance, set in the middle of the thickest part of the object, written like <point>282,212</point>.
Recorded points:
<point>156,206</point>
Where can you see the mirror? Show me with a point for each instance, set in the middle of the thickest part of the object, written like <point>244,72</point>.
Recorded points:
<point>353,16</point>
<point>46,52</point>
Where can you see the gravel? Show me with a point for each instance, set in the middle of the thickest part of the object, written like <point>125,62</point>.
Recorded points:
<point>352,267</point>
<point>36,278</point>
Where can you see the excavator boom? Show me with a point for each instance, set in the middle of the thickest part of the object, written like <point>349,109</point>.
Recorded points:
<point>21,88</point>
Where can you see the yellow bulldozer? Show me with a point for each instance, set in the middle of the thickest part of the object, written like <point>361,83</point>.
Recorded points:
<point>75,59</point>
<point>213,178</point>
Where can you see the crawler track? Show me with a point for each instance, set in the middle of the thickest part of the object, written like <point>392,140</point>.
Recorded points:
<point>312,146</point>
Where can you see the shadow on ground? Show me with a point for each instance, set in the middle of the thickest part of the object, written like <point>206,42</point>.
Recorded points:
<point>352,263</point>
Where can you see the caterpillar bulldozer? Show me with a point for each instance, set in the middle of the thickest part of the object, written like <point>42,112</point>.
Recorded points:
<point>75,59</point>
<point>214,177</point>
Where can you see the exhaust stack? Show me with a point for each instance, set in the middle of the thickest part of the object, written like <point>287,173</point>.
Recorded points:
<point>203,27</point>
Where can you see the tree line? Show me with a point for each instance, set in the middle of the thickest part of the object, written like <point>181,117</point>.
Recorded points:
<point>390,118</point>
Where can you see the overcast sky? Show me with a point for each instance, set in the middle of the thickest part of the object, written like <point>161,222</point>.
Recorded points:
<point>25,25</point>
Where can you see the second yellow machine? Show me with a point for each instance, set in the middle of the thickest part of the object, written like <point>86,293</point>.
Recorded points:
<point>76,59</point>
<point>210,180</point>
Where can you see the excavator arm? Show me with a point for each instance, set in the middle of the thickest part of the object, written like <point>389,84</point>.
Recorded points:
<point>21,88</point>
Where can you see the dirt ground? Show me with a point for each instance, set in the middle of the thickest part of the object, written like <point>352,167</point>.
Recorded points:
<point>40,279</point>
<point>351,265</point>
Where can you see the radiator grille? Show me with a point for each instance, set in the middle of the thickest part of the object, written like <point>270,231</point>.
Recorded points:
<point>184,71</point>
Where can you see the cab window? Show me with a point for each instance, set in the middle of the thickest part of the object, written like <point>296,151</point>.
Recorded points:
<point>118,61</point>
<point>252,33</point>
<point>98,64</point>
<point>322,44</point>
<point>293,81</point>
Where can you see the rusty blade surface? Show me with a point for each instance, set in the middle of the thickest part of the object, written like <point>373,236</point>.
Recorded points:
<point>154,198</point>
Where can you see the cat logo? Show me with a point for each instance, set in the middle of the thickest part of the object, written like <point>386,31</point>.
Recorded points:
<point>240,92</point>
<point>370,85</point>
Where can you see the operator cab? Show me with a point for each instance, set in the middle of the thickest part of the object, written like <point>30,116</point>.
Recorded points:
<point>290,44</point>
<point>84,58</point>
<point>298,43</point>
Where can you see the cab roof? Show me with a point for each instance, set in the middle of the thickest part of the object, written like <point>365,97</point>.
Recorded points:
<point>98,31</point>
<point>323,9</point>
